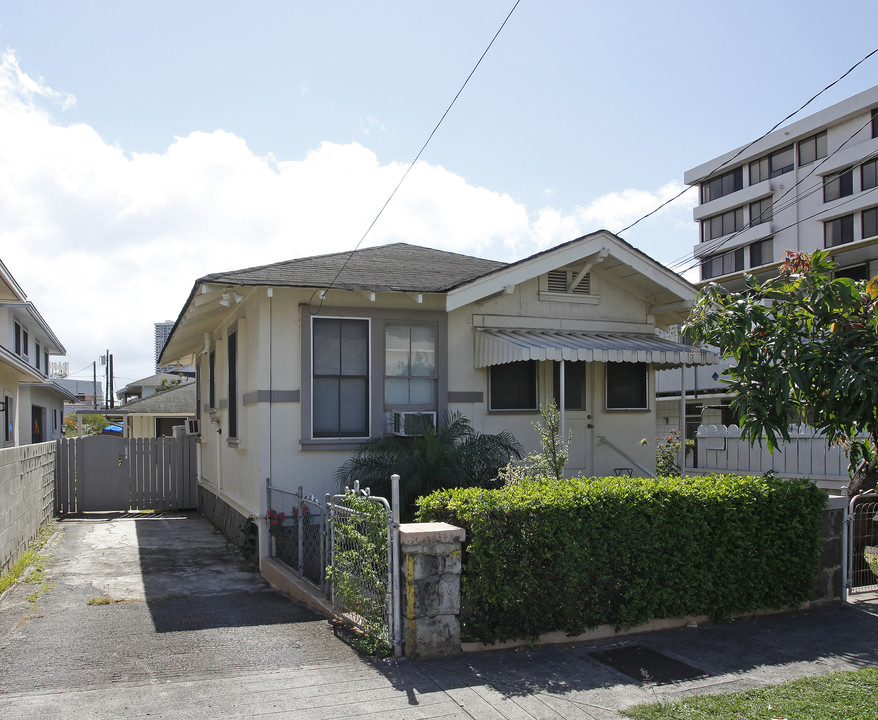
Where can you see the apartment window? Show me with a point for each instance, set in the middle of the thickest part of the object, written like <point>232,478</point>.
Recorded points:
<point>340,378</point>
<point>759,170</point>
<point>37,354</point>
<point>812,148</point>
<point>838,185</point>
<point>853,272</point>
<point>722,185</point>
<point>761,211</point>
<point>722,264</point>
<point>781,161</point>
<point>513,386</point>
<point>875,123</point>
<point>761,253</point>
<point>17,339</point>
<point>233,385</point>
<point>626,386</point>
<point>211,379</point>
<point>574,385</point>
<point>410,365</point>
<point>54,419</point>
<point>25,345</point>
<point>722,224</point>
<point>839,231</point>
<point>870,222</point>
<point>869,175</point>
<point>46,362</point>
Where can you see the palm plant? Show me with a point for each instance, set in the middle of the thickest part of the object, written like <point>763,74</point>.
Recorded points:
<point>452,455</point>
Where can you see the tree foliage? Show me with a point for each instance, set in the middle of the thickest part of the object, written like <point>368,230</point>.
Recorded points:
<point>806,346</point>
<point>452,455</point>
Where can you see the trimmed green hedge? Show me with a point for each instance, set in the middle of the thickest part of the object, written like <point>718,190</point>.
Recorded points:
<point>544,556</point>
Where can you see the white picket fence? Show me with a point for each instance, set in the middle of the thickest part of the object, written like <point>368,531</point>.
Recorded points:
<point>721,449</point>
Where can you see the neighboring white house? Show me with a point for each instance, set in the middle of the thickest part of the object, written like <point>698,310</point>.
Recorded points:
<point>806,186</point>
<point>158,414</point>
<point>31,404</point>
<point>143,388</point>
<point>301,361</point>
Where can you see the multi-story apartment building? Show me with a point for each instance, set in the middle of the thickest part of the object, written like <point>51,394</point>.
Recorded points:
<point>31,403</point>
<point>162,331</point>
<point>806,186</point>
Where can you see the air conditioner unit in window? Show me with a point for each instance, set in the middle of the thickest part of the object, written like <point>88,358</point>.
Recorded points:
<point>193,426</point>
<point>404,423</point>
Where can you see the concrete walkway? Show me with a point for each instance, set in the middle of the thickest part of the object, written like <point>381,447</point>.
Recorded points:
<point>189,632</point>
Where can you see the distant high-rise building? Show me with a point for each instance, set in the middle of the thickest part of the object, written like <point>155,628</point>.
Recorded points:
<point>162,332</point>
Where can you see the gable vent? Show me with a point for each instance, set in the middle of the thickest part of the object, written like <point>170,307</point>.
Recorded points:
<point>559,282</point>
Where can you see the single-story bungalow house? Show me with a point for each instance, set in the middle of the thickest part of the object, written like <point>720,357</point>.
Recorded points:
<point>158,414</point>
<point>299,362</point>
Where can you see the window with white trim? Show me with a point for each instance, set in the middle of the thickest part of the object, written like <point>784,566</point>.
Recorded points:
<point>812,148</point>
<point>838,185</point>
<point>340,378</point>
<point>839,231</point>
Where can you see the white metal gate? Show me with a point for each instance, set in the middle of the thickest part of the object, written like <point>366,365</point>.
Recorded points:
<point>861,535</point>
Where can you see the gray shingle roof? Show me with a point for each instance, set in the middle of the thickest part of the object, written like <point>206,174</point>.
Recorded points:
<point>180,399</point>
<point>399,266</point>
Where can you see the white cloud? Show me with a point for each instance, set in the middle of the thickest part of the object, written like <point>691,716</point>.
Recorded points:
<point>106,243</point>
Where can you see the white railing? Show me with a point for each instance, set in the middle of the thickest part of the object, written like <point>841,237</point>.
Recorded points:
<point>721,449</point>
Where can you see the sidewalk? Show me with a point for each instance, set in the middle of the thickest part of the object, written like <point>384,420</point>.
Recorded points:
<point>190,633</point>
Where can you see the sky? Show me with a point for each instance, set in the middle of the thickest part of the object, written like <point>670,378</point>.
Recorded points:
<point>145,145</point>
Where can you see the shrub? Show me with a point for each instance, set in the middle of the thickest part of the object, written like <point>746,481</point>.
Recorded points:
<point>568,555</point>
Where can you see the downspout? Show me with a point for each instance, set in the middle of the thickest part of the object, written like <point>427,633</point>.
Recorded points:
<point>562,395</point>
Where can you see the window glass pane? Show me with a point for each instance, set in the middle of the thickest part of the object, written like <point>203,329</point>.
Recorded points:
<point>870,222</point>
<point>422,391</point>
<point>327,350</point>
<point>396,391</point>
<point>353,408</point>
<point>758,170</point>
<point>626,386</point>
<point>423,350</point>
<point>807,151</point>
<point>354,347</point>
<point>820,143</point>
<point>781,161</point>
<point>513,386</point>
<point>396,358</point>
<point>574,385</point>
<point>325,407</point>
<point>869,175</point>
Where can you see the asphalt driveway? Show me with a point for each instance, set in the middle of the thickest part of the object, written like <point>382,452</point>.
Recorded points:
<point>186,630</point>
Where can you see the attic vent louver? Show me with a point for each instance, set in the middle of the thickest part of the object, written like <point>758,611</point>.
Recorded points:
<point>559,282</point>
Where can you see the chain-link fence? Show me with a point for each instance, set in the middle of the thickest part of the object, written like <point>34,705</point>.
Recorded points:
<point>297,534</point>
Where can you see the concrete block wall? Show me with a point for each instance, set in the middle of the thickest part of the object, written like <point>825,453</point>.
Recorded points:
<point>27,497</point>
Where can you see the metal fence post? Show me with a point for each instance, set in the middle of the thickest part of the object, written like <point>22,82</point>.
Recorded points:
<point>300,531</point>
<point>394,567</point>
<point>324,539</point>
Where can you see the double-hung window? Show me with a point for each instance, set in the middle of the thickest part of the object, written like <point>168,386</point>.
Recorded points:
<point>869,175</point>
<point>340,378</point>
<point>760,211</point>
<point>870,222</point>
<point>410,375</point>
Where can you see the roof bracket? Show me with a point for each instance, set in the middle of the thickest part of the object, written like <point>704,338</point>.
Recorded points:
<point>590,262</point>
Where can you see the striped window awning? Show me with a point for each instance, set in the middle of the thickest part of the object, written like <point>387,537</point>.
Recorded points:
<point>495,346</point>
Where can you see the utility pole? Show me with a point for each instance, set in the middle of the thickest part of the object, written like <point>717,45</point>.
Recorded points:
<point>94,368</point>
<point>112,394</point>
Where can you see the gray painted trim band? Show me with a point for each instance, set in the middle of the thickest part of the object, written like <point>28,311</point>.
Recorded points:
<point>271,396</point>
<point>466,397</point>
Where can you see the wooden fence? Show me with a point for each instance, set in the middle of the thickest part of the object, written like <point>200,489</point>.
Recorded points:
<point>721,449</point>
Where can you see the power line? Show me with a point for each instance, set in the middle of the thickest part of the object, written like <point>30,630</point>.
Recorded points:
<point>414,161</point>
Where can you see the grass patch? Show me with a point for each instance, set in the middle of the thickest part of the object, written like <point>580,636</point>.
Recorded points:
<point>30,565</point>
<point>101,600</point>
<point>848,695</point>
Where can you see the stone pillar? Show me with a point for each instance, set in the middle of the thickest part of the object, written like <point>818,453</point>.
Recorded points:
<point>829,581</point>
<point>430,584</point>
